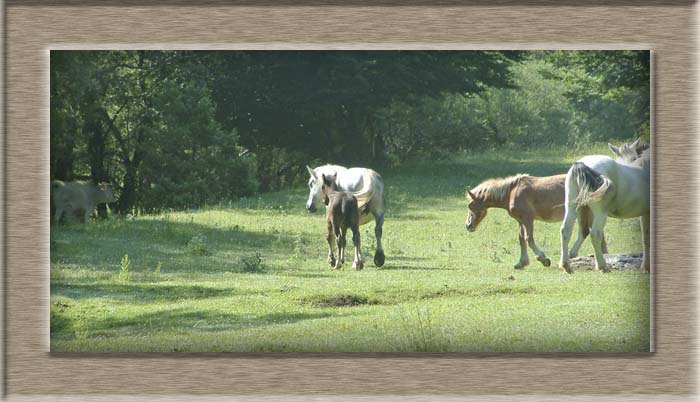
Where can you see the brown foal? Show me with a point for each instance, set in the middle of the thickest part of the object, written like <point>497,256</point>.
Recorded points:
<point>342,213</point>
<point>527,198</point>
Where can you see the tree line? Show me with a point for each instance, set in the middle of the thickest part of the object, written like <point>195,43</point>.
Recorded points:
<point>182,129</point>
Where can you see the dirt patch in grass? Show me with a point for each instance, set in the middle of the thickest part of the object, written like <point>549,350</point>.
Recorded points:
<point>493,290</point>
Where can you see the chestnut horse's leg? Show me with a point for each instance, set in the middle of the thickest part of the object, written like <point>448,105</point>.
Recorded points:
<point>524,259</point>
<point>330,237</point>
<point>646,239</point>
<point>529,235</point>
<point>584,229</point>
<point>358,263</point>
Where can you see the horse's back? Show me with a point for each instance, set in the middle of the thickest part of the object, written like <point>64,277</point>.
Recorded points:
<point>367,186</point>
<point>544,196</point>
<point>630,195</point>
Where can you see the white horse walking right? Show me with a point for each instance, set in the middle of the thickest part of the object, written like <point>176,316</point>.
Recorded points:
<point>618,188</point>
<point>367,187</point>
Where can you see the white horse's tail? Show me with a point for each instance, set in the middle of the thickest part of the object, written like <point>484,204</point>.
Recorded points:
<point>371,185</point>
<point>592,186</point>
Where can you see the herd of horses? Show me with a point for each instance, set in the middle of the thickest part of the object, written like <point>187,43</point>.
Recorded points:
<point>595,187</point>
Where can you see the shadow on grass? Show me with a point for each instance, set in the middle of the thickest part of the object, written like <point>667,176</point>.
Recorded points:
<point>177,319</point>
<point>391,267</point>
<point>403,262</point>
<point>102,245</point>
<point>142,291</point>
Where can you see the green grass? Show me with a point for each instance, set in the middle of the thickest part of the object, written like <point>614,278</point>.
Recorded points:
<point>252,276</point>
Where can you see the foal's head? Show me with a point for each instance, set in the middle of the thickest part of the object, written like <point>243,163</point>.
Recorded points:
<point>477,211</point>
<point>316,186</point>
<point>329,186</point>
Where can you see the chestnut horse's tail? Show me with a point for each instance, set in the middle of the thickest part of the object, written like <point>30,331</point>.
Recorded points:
<point>592,185</point>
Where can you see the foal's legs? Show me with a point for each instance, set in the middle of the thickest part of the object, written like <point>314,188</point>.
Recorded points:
<point>340,241</point>
<point>599,219</point>
<point>344,236</point>
<point>358,264</point>
<point>646,239</point>
<point>524,259</point>
<point>379,254</point>
<point>529,236</point>
<point>330,237</point>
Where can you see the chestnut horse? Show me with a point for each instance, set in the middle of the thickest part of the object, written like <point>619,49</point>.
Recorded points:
<point>342,213</point>
<point>526,198</point>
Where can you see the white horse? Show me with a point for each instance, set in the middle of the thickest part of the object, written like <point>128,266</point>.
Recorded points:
<point>618,188</point>
<point>365,184</point>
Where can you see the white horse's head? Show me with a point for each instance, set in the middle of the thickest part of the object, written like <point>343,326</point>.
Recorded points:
<point>315,191</point>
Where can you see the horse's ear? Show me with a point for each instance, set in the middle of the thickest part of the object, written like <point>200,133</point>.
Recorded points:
<point>312,172</point>
<point>614,149</point>
<point>635,144</point>
<point>473,197</point>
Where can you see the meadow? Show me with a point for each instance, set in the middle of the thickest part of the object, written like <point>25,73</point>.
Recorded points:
<point>252,276</point>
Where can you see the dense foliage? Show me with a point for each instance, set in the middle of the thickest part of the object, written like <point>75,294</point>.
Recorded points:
<point>173,129</point>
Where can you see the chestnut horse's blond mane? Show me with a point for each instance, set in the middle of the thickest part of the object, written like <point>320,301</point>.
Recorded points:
<point>497,189</point>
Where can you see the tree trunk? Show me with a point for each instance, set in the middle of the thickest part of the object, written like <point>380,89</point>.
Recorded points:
<point>96,150</point>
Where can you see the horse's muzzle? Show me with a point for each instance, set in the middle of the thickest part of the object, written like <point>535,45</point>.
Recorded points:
<point>311,208</point>
<point>470,229</point>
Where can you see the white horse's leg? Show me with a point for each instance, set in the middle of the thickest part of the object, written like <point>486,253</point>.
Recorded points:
<point>379,254</point>
<point>597,230</point>
<point>57,217</point>
<point>567,226</point>
<point>646,239</point>
<point>580,237</point>
<point>530,237</point>
<point>524,259</point>
<point>358,263</point>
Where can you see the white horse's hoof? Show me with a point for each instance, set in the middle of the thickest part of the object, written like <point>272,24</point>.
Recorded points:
<point>379,258</point>
<point>566,267</point>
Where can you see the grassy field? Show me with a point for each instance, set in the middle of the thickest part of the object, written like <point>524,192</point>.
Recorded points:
<point>252,276</point>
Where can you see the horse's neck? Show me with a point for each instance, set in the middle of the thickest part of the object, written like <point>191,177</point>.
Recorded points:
<point>494,201</point>
<point>502,202</point>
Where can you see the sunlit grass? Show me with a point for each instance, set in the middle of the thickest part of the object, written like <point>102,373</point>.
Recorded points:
<point>262,282</point>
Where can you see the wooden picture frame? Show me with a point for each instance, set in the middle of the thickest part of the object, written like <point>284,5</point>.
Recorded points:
<point>34,27</point>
